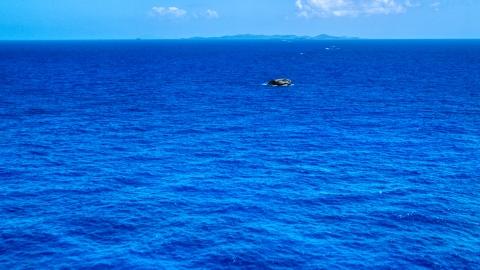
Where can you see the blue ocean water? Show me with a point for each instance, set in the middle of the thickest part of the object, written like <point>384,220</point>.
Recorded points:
<point>175,155</point>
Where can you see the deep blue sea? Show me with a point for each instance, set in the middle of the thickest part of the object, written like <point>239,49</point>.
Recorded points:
<point>176,155</point>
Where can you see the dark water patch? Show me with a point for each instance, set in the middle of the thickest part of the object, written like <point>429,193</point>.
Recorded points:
<point>38,153</point>
<point>130,181</point>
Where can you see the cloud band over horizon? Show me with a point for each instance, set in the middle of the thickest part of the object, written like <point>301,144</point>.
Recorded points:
<point>177,13</point>
<point>325,8</point>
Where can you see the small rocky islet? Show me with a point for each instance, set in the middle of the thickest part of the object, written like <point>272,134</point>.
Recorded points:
<point>280,82</point>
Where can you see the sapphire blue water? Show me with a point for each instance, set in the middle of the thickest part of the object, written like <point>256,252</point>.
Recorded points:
<point>174,155</point>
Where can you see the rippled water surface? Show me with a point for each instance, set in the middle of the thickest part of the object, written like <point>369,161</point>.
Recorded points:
<point>174,155</point>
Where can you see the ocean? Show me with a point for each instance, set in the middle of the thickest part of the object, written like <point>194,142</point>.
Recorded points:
<point>175,154</point>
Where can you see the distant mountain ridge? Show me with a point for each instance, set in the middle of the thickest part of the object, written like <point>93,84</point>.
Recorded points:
<point>275,37</point>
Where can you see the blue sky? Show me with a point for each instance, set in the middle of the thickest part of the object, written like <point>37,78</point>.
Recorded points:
<point>125,19</point>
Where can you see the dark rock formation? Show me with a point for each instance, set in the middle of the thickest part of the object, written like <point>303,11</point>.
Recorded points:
<point>280,82</point>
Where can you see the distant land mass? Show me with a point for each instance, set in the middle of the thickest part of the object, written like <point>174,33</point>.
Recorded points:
<point>267,37</point>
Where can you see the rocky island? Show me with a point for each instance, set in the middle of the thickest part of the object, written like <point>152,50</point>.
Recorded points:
<point>274,37</point>
<point>280,82</point>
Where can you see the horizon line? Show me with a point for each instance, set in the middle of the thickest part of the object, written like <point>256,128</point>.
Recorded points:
<point>198,38</point>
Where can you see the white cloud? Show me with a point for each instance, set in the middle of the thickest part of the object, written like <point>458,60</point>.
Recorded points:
<point>325,8</point>
<point>410,4</point>
<point>210,14</point>
<point>176,13</point>
<point>435,6</point>
<point>172,12</point>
